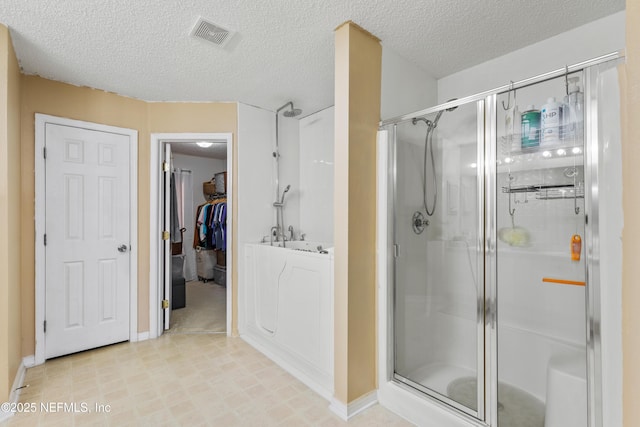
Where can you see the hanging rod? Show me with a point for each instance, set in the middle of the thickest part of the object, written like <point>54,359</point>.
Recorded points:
<point>505,88</point>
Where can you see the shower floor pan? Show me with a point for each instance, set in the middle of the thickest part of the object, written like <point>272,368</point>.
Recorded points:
<point>438,376</point>
<point>516,407</point>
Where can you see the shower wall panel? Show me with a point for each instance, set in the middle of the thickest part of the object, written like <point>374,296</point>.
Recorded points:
<point>316,176</point>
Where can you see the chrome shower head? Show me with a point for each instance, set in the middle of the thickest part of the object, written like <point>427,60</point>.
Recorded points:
<point>292,113</point>
<point>452,108</point>
<point>287,188</point>
<point>435,122</point>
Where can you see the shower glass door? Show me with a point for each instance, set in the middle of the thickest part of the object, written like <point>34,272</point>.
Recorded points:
<point>541,270</point>
<point>438,313</point>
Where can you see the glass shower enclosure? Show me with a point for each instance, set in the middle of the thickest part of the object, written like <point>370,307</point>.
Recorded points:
<point>492,309</point>
<point>438,328</point>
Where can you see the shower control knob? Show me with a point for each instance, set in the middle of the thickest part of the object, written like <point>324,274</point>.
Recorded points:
<point>418,222</point>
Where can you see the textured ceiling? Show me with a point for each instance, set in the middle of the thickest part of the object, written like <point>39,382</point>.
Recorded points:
<point>217,151</point>
<point>283,49</point>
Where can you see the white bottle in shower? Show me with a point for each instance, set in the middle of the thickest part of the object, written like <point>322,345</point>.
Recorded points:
<point>551,119</point>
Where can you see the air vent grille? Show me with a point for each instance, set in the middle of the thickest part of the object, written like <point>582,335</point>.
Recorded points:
<point>211,32</point>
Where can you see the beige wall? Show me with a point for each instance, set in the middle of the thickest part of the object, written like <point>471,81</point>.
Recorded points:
<point>10,215</point>
<point>59,99</point>
<point>358,63</point>
<point>205,118</point>
<point>631,208</point>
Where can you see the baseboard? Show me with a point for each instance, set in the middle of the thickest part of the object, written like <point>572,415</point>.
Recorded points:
<point>29,361</point>
<point>143,336</point>
<point>18,382</point>
<point>347,411</point>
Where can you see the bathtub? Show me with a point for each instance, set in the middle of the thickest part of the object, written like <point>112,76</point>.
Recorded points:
<point>287,304</point>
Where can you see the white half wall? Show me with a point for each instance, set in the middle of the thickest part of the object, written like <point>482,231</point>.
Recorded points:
<point>256,141</point>
<point>405,86</point>
<point>589,41</point>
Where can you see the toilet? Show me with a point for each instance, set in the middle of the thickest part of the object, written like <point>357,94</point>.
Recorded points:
<point>566,404</point>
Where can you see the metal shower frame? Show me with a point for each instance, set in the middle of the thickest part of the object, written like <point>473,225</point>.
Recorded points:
<point>487,196</point>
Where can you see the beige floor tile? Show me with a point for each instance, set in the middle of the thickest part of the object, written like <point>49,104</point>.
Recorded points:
<point>177,380</point>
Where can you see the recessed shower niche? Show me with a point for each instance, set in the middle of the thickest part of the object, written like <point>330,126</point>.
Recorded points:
<point>492,293</point>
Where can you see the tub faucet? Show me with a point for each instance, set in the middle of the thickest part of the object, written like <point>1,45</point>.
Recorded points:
<point>292,236</point>
<point>274,232</point>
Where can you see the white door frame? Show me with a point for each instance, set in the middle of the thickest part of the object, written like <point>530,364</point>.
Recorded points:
<point>155,247</point>
<point>40,179</point>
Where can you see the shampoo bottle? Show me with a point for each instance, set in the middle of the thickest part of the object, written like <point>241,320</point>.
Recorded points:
<point>530,124</point>
<point>576,247</point>
<point>551,117</point>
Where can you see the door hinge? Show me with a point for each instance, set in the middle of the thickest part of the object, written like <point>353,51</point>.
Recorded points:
<point>44,152</point>
<point>165,235</point>
<point>165,303</point>
<point>45,326</point>
<point>165,166</point>
<point>45,240</point>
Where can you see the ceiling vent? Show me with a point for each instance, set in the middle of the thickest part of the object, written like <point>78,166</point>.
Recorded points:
<point>210,32</point>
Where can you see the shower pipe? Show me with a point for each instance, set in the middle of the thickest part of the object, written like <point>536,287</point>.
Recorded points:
<point>279,204</point>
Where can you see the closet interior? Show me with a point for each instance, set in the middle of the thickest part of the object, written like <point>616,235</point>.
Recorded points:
<point>198,238</point>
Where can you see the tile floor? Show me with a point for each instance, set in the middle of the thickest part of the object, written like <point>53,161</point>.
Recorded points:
<point>179,380</point>
<point>205,309</point>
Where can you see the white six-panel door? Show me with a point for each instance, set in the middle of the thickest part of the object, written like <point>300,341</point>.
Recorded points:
<point>87,226</point>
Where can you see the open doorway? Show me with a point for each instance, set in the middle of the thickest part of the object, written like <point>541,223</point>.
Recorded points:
<point>191,234</point>
<point>198,230</point>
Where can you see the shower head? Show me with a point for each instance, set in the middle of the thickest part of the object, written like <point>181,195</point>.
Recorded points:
<point>287,188</point>
<point>291,112</point>
<point>452,108</point>
<point>435,122</point>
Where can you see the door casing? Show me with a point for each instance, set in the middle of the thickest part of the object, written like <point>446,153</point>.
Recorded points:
<point>40,189</point>
<point>156,282</point>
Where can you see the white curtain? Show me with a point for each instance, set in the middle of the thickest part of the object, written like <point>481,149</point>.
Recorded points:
<point>186,218</point>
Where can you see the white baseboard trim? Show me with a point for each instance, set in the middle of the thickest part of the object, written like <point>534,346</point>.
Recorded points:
<point>29,361</point>
<point>4,416</point>
<point>18,382</point>
<point>143,336</point>
<point>347,411</point>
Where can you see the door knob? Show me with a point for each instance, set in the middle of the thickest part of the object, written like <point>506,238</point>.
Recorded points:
<point>122,248</point>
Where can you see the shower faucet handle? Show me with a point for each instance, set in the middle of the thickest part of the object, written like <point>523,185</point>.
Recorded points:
<point>419,222</point>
